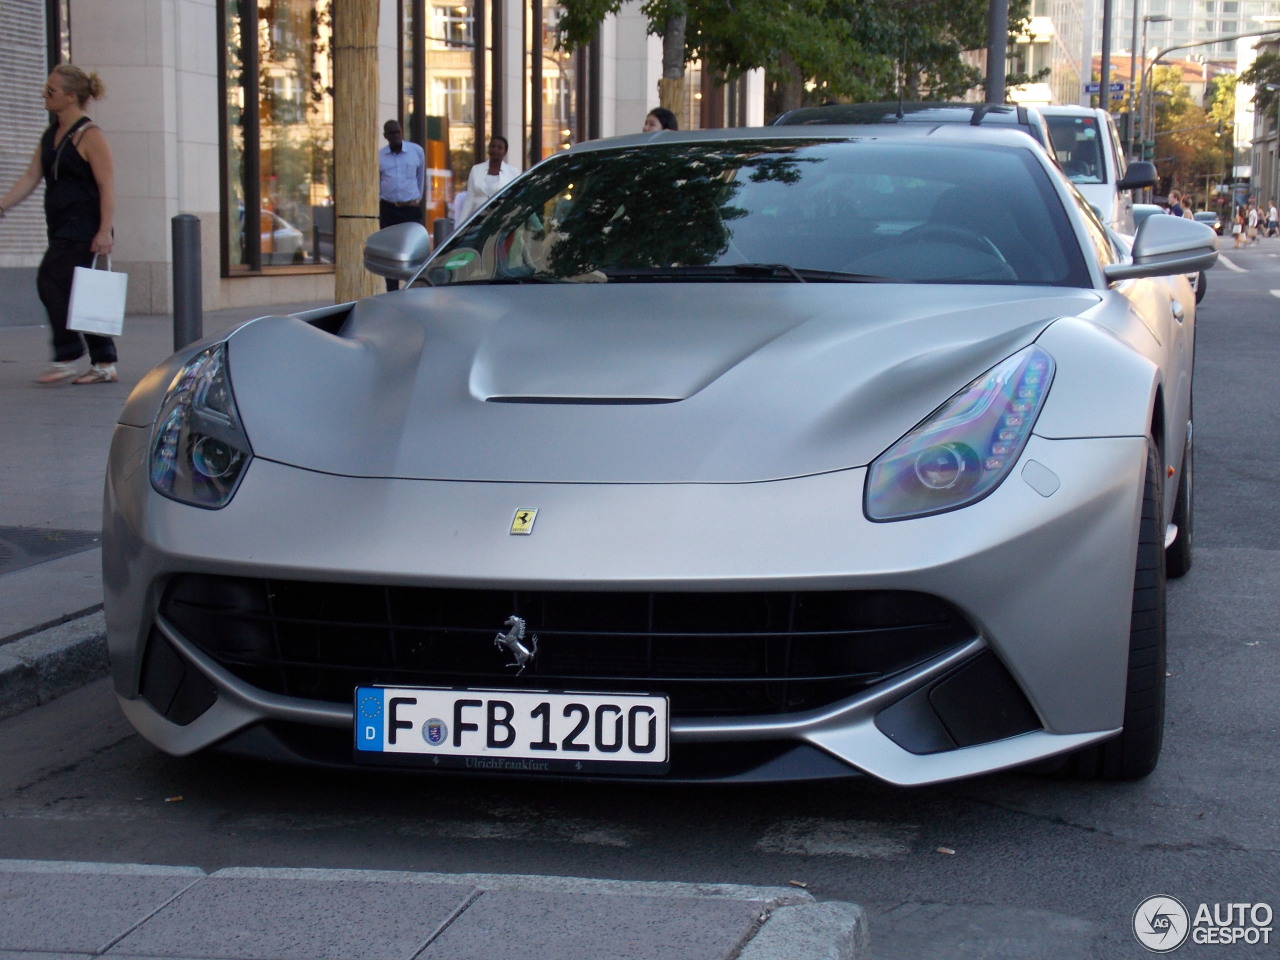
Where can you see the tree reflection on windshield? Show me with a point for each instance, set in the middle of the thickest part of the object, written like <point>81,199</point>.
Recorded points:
<point>643,208</point>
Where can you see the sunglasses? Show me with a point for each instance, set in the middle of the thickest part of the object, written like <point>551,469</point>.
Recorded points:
<point>49,91</point>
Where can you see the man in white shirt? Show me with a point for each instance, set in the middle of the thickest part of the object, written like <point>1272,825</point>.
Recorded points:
<point>402,178</point>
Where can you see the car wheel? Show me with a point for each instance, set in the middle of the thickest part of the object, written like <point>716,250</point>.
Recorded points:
<point>1135,751</point>
<point>1177,556</point>
<point>1201,285</point>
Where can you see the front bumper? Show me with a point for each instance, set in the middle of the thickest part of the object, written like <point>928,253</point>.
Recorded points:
<point>1042,570</point>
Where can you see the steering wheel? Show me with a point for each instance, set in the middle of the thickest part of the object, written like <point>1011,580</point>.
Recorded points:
<point>982,261</point>
<point>949,233</point>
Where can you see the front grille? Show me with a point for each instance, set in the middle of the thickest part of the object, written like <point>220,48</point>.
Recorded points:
<point>713,654</point>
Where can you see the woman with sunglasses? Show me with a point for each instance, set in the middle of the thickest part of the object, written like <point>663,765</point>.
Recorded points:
<point>79,203</point>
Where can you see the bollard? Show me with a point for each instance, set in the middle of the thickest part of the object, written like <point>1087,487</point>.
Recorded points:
<point>188,316</point>
<point>440,230</point>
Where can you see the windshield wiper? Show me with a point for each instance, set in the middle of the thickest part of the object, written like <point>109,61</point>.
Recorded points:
<point>719,271</point>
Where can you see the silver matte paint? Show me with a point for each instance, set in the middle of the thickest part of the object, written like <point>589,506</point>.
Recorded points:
<point>720,443</point>
<point>774,379</point>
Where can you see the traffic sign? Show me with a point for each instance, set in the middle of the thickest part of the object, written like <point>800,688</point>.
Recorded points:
<point>1118,86</point>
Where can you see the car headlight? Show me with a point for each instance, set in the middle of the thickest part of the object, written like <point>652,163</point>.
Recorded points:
<point>198,447</point>
<point>966,447</point>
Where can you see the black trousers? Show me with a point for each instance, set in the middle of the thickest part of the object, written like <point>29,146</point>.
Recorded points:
<point>53,283</point>
<point>389,215</point>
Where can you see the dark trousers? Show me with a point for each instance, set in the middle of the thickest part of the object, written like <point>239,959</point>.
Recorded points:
<point>53,283</point>
<point>389,215</point>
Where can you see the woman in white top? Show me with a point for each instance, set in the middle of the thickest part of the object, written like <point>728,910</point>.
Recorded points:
<point>486,179</point>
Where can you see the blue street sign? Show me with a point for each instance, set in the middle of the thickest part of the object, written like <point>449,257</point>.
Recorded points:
<point>1117,86</point>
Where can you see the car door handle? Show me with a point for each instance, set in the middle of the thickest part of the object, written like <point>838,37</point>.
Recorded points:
<point>1178,312</point>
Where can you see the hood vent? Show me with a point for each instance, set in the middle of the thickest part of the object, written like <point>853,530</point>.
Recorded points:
<point>586,401</point>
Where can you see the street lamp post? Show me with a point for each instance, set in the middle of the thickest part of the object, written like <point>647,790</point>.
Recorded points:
<point>1146,79</point>
<point>1133,72</point>
<point>1160,54</point>
<point>1201,43</point>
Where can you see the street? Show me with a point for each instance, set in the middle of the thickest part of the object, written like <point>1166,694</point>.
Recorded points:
<point>1010,867</point>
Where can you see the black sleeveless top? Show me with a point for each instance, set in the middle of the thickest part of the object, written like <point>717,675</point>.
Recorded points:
<point>72,203</point>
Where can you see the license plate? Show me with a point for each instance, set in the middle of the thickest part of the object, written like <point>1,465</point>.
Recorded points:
<point>512,731</point>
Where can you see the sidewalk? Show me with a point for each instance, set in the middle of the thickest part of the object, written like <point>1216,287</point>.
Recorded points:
<point>137,911</point>
<point>53,448</point>
<point>55,441</point>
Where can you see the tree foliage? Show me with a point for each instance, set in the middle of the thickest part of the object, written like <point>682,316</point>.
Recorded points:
<point>829,49</point>
<point>1191,142</point>
<point>1262,72</point>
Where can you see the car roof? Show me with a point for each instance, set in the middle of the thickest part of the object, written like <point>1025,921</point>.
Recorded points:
<point>907,111</point>
<point>952,133</point>
<point>1028,119</point>
<point>1069,110</point>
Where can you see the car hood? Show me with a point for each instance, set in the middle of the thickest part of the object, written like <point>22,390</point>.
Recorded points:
<point>610,383</point>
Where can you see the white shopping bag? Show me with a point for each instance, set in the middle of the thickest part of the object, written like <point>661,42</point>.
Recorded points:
<point>97,300</point>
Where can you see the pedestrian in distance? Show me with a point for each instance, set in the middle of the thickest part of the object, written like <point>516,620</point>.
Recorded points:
<point>402,180</point>
<point>659,118</point>
<point>74,161</point>
<point>1273,219</point>
<point>1251,223</point>
<point>489,177</point>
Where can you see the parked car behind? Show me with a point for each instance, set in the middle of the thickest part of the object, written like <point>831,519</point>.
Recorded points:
<point>1210,217</point>
<point>1087,146</point>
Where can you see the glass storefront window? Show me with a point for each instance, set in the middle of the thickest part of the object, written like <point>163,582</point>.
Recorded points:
<point>559,83</point>
<point>279,155</point>
<point>450,100</point>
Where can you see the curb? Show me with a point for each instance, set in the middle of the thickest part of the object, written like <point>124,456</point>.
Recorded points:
<point>831,930</point>
<point>43,666</point>
<point>791,924</point>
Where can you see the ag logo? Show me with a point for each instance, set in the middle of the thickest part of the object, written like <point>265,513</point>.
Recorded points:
<point>1161,924</point>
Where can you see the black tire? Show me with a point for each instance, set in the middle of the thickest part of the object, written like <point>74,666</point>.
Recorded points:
<point>1202,284</point>
<point>1177,556</point>
<point>1134,753</point>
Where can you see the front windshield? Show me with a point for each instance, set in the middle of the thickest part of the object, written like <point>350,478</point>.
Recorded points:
<point>790,210</point>
<point>1077,142</point>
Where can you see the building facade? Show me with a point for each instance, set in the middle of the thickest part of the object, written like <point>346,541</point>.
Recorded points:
<point>1188,21</point>
<point>219,108</point>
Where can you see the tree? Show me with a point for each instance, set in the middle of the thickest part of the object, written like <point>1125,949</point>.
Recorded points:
<point>667,19</point>
<point>1188,148</point>
<point>355,114</point>
<point>816,50</point>
<point>1262,72</point>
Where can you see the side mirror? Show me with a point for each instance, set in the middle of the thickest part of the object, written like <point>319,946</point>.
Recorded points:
<point>1141,173</point>
<point>398,252</point>
<point>1164,246</point>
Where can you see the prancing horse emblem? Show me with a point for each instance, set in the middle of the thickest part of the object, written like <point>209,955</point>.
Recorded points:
<point>513,640</point>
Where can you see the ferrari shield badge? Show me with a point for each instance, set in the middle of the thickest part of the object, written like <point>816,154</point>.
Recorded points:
<point>523,522</point>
